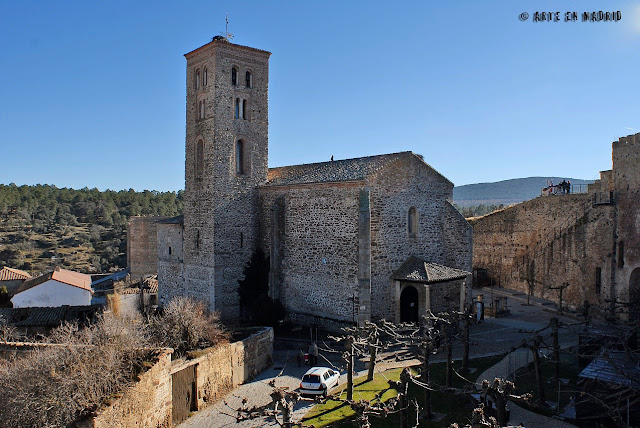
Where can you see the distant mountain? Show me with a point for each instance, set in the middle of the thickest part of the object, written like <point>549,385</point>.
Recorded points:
<point>505,192</point>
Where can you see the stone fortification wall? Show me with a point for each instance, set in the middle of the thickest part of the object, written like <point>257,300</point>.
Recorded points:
<point>142,246</point>
<point>626,176</point>
<point>170,262</point>
<point>316,237</point>
<point>442,236</point>
<point>546,242</point>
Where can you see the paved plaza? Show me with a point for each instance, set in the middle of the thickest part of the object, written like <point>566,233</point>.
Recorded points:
<point>492,336</point>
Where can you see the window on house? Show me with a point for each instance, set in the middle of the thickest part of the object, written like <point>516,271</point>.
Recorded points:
<point>412,221</point>
<point>234,76</point>
<point>248,79</point>
<point>598,280</point>
<point>237,109</point>
<point>244,109</point>
<point>204,77</point>
<point>198,79</point>
<point>621,254</point>
<point>199,159</point>
<point>240,157</point>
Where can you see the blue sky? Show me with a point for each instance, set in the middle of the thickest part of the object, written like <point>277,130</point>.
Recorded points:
<point>93,93</point>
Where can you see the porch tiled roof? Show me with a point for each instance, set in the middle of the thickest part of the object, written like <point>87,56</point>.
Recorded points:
<point>415,269</point>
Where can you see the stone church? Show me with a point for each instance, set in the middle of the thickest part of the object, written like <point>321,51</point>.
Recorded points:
<point>349,240</point>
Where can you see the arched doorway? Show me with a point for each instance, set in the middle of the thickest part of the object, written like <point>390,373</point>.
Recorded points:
<point>634,296</point>
<point>409,304</point>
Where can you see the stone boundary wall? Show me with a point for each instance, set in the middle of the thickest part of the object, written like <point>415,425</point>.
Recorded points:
<point>222,368</point>
<point>149,402</point>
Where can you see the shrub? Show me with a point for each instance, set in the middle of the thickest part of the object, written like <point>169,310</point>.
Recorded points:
<point>185,324</point>
<point>62,382</point>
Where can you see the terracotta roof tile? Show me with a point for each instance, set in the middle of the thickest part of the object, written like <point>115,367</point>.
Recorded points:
<point>10,274</point>
<point>69,277</point>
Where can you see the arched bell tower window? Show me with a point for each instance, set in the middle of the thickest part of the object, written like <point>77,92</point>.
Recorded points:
<point>248,79</point>
<point>244,109</point>
<point>234,76</point>
<point>199,167</point>
<point>204,77</point>
<point>236,114</point>
<point>198,79</point>
<point>240,147</point>
<point>412,222</point>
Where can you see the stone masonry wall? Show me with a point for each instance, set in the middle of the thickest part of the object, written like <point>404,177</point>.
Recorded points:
<point>409,182</point>
<point>142,246</point>
<point>626,177</point>
<point>147,404</point>
<point>170,262</point>
<point>220,211</point>
<point>222,368</point>
<point>574,239</point>
<point>445,296</point>
<point>319,255</point>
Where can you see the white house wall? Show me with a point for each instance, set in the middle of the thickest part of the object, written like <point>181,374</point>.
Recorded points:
<point>52,294</point>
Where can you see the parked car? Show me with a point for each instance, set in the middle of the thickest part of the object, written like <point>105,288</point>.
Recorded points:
<point>318,381</point>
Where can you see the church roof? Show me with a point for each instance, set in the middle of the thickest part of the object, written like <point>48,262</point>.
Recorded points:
<point>415,269</point>
<point>330,172</point>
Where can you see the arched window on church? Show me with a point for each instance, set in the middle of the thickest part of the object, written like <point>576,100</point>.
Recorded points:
<point>234,76</point>
<point>202,114</point>
<point>236,115</point>
<point>239,157</point>
<point>412,221</point>
<point>204,77</point>
<point>198,79</point>
<point>244,109</point>
<point>199,159</point>
<point>248,79</point>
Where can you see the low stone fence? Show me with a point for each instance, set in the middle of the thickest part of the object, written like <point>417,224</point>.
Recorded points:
<point>149,403</point>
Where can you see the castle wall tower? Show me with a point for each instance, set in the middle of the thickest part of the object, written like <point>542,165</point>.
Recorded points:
<point>226,159</point>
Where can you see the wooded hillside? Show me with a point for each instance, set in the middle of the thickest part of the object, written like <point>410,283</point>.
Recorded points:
<point>43,226</point>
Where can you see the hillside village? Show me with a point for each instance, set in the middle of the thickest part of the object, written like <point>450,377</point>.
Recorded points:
<point>233,288</point>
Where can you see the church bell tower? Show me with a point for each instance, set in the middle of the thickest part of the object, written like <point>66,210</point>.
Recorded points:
<point>226,159</point>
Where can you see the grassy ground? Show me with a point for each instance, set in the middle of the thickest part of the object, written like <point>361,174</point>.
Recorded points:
<point>456,408</point>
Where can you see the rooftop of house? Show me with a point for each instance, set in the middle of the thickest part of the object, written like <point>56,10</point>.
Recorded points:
<point>47,317</point>
<point>414,269</point>
<point>64,276</point>
<point>10,274</point>
<point>344,170</point>
<point>615,368</point>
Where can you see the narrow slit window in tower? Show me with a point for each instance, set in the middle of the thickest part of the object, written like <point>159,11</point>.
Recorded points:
<point>239,157</point>
<point>244,109</point>
<point>237,110</point>
<point>248,79</point>
<point>204,77</point>
<point>234,76</point>
<point>412,221</point>
<point>199,159</point>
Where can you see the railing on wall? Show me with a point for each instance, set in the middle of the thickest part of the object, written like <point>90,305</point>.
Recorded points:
<point>559,189</point>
